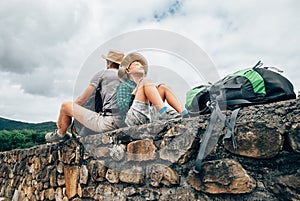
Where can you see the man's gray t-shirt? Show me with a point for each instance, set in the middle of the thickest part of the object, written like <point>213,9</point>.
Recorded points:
<point>109,82</point>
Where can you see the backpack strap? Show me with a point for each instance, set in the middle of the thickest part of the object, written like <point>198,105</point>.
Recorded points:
<point>274,68</point>
<point>206,137</point>
<point>203,111</point>
<point>232,86</point>
<point>229,124</point>
<point>259,64</point>
<point>211,136</point>
<point>230,130</point>
<point>238,102</point>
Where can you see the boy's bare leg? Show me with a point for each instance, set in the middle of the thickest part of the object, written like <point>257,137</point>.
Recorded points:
<point>167,94</point>
<point>147,91</point>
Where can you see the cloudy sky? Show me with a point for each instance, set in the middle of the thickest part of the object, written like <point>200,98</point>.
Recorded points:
<point>45,45</point>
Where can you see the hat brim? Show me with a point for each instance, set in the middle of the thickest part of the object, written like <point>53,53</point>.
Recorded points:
<point>126,63</point>
<point>104,57</point>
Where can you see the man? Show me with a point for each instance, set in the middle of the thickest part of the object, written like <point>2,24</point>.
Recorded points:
<point>109,119</point>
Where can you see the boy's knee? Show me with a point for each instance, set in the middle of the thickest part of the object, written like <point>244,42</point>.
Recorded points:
<point>146,82</point>
<point>161,86</point>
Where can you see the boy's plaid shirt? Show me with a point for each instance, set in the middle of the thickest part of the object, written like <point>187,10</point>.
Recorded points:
<point>125,96</point>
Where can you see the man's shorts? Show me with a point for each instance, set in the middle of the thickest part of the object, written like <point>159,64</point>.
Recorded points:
<point>97,122</point>
<point>140,113</point>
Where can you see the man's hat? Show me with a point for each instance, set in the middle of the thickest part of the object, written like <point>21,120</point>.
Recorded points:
<point>126,63</point>
<point>114,56</point>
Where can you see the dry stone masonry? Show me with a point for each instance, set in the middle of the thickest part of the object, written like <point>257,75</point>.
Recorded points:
<point>156,161</point>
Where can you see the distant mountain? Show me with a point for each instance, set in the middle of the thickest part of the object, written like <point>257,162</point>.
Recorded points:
<point>9,125</point>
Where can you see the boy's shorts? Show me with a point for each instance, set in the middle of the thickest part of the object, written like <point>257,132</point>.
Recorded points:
<point>140,113</point>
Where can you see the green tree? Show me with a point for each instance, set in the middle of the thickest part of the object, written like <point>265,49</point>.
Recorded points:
<point>5,141</point>
<point>20,139</point>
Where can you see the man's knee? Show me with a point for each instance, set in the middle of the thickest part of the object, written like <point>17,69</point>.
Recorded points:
<point>66,107</point>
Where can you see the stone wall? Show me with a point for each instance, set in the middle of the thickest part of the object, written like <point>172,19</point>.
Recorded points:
<point>156,162</point>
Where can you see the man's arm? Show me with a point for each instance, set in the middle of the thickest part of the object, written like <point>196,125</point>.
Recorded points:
<point>90,89</point>
<point>85,95</point>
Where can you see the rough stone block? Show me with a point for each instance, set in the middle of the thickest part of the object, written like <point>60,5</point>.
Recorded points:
<point>177,144</point>
<point>287,185</point>
<point>101,152</point>
<point>53,177</point>
<point>50,194</point>
<point>112,176</point>
<point>133,175</point>
<point>141,150</point>
<point>294,137</point>
<point>117,152</point>
<point>97,170</point>
<point>88,192</point>
<point>162,174</point>
<point>60,180</point>
<point>84,173</point>
<point>222,176</point>
<point>93,139</point>
<point>58,194</point>
<point>71,177</point>
<point>256,140</point>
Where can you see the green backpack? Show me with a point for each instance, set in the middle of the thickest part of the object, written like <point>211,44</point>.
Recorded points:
<point>249,86</point>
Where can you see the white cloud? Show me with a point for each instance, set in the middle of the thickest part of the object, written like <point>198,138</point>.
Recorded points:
<point>15,104</point>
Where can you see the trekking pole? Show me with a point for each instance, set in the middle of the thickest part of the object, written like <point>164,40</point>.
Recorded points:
<point>76,138</point>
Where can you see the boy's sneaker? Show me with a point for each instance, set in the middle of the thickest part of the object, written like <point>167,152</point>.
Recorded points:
<point>169,114</point>
<point>55,137</point>
<point>186,116</point>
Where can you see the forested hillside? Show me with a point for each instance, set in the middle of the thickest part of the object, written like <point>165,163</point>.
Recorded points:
<point>6,124</point>
<point>19,135</point>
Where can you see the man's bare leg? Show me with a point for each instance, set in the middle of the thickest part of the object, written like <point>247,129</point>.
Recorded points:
<point>65,117</point>
<point>67,111</point>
